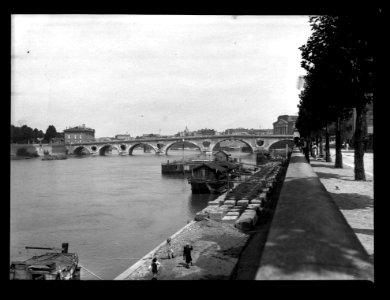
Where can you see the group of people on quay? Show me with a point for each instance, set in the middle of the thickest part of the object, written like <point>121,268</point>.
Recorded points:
<point>156,265</point>
<point>304,147</point>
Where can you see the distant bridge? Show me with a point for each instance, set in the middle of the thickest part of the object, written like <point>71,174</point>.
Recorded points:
<point>255,143</point>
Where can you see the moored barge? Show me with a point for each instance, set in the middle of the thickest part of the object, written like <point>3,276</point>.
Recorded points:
<point>49,266</point>
<point>213,177</point>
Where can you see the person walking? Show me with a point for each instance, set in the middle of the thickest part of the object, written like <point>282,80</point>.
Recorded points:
<point>170,249</point>
<point>154,267</point>
<point>187,254</point>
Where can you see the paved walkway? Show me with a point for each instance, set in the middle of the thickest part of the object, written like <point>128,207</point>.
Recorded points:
<point>354,198</point>
<point>348,160</point>
<point>309,238</point>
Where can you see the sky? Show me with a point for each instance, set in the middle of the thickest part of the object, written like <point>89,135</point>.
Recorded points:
<point>141,74</point>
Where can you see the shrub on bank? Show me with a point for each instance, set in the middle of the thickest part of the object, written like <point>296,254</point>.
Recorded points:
<point>29,152</point>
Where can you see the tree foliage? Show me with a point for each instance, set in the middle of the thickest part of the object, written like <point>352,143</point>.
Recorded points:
<point>338,58</point>
<point>25,134</point>
<point>50,133</point>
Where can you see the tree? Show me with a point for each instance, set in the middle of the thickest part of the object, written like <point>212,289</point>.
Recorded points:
<point>27,134</point>
<point>16,134</point>
<point>339,57</point>
<point>37,133</point>
<point>51,133</point>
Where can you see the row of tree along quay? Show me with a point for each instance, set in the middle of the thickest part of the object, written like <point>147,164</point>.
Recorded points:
<point>338,58</point>
<point>27,135</point>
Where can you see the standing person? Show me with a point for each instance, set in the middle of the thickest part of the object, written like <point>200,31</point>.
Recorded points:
<point>154,266</point>
<point>314,151</point>
<point>170,249</point>
<point>187,254</point>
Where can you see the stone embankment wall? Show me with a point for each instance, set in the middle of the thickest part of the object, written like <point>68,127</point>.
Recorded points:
<point>29,148</point>
<point>32,148</point>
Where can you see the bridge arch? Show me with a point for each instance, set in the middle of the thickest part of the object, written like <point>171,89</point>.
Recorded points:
<point>81,150</point>
<point>168,146</point>
<point>102,150</point>
<point>281,144</point>
<point>132,147</point>
<point>234,139</point>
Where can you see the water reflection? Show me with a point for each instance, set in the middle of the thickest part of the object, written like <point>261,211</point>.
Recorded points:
<point>196,202</point>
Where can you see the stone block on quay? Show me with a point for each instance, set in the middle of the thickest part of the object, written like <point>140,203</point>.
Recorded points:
<point>245,221</point>
<point>214,203</point>
<point>221,199</point>
<point>254,207</point>
<point>217,214</point>
<point>256,201</point>
<point>251,214</point>
<point>227,206</point>
<point>201,215</point>
<point>240,208</point>
<point>230,202</point>
<point>209,208</point>
<point>204,213</point>
<point>229,219</point>
<point>233,213</point>
<point>243,202</point>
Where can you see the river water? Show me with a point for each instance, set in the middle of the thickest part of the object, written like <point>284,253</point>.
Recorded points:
<point>112,209</point>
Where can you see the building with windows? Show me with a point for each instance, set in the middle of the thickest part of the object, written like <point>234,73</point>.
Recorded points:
<point>285,124</point>
<point>241,131</point>
<point>79,134</point>
<point>124,137</point>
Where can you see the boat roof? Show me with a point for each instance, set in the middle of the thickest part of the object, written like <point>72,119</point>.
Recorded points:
<point>47,260</point>
<point>224,152</point>
<point>220,166</point>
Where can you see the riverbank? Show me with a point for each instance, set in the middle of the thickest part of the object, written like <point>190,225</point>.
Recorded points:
<point>216,249</point>
<point>16,157</point>
<point>220,250</point>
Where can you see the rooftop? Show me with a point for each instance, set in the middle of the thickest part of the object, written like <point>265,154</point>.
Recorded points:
<point>80,128</point>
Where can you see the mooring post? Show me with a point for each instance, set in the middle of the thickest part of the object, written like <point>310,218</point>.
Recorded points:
<point>65,247</point>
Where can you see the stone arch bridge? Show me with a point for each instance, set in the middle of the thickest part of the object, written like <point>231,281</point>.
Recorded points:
<point>255,143</point>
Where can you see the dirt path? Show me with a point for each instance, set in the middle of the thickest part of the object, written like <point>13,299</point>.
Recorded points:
<point>216,248</point>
